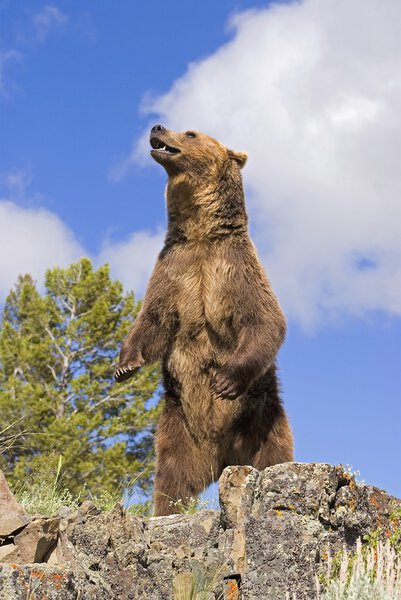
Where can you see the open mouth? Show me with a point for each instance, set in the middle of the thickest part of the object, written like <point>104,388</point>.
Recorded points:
<point>162,146</point>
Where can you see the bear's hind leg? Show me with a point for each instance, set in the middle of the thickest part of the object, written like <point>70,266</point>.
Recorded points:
<point>278,446</point>
<point>184,468</point>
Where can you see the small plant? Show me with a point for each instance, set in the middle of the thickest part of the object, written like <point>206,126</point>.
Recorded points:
<point>371,573</point>
<point>43,491</point>
<point>124,494</point>
<point>349,469</point>
<point>140,509</point>
<point>106,500</point>
<point>394,535</point>
<point>190,506</point>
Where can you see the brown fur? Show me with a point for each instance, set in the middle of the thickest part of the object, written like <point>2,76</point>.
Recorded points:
<point>212,318</point>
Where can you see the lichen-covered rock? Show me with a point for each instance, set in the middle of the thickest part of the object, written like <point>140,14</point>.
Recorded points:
<point>36,582</point>
<point>185,544</point>
<point>288,517</point>
<point>129,557</point>
<point>271,537</point>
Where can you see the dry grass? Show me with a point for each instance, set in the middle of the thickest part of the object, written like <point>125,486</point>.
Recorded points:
<point>8,439</point>
<point>195,585</point>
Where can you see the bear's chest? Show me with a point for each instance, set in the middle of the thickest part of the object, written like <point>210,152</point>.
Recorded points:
<point>202,294</point>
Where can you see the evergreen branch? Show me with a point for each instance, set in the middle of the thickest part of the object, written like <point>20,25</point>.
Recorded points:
<point>102,401</point>
<point>53,372</point>
<point>51,335</point>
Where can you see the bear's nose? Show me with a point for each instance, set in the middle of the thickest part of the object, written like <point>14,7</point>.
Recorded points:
<point>158,128</point>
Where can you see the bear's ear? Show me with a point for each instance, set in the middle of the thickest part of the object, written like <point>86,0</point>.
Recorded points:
<point>239,157</point>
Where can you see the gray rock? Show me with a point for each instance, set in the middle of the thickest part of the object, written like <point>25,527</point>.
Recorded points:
<point>10,523</point>
<point>33,544</point>
<point>286,518</point>
<point>22,582</point>
<point>7,500</point>
<point>271,537</point>
<point>37,540</point>
<point>12,515</point>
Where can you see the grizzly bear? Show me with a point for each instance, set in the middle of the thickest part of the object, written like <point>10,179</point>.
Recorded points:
<point>211,317</point>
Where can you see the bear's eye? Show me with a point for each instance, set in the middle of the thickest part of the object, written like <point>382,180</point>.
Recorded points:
<point>191,134</point>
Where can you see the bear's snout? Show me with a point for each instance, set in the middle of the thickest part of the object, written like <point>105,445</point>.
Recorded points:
<point>158,128</point>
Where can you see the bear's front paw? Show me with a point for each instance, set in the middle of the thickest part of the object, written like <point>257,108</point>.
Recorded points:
<point>225,386</point>
<point>127,369</point>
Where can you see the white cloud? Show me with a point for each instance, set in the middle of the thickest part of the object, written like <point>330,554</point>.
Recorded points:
<point>49,19</point>
<point>32,240</point>
<point>35,239</point>
<point>133,260</point>
<point>16,183</point>
<point>312,90</point>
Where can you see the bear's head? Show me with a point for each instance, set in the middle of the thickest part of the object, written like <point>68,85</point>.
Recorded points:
<point>196,154</point>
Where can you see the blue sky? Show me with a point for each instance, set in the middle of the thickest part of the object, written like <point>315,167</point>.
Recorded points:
<point>311,91</point>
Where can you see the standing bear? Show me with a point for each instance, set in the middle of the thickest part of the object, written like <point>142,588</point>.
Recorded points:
<point>211,317</point>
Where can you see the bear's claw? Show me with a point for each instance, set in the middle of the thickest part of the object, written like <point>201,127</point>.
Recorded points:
<point>123,373</point>
<point>224,389</point>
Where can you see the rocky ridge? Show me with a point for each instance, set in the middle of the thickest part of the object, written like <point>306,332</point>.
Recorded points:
<point>272,535</point>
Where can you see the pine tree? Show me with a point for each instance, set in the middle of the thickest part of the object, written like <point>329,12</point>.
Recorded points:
<point>57,355</point>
